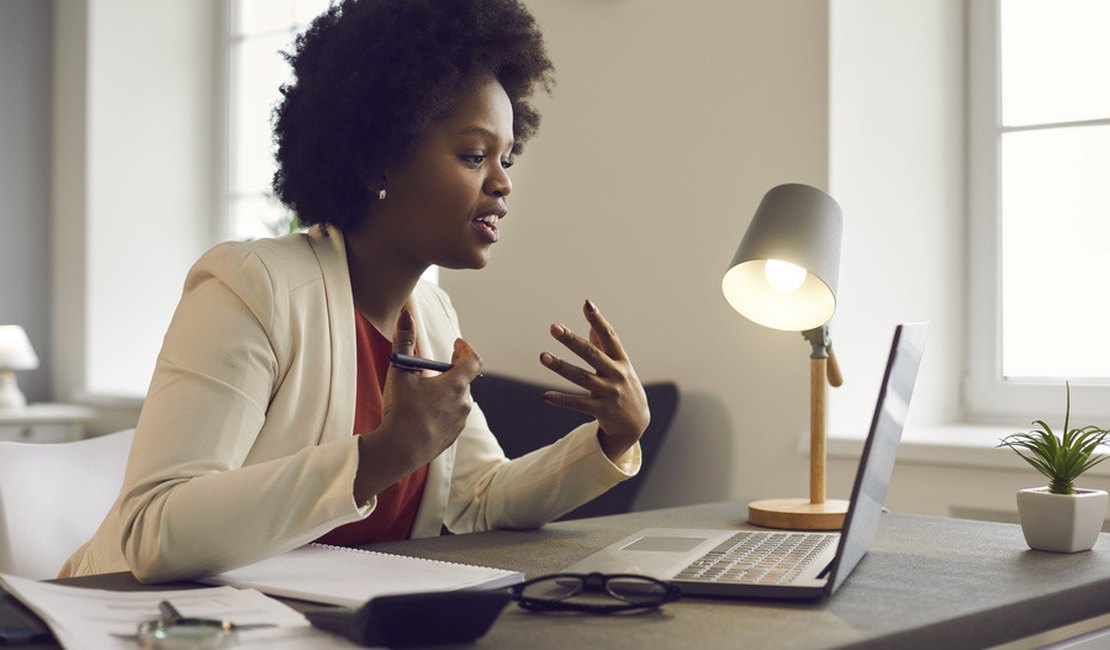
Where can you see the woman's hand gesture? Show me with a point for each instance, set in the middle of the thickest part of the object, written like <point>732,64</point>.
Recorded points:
<point>615,395</point>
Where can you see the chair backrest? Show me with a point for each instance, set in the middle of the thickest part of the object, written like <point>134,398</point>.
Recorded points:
<point>53,497</point>
<point>521,421</point>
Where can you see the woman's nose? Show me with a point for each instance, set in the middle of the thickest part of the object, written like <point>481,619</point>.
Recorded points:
<point>499,183</point>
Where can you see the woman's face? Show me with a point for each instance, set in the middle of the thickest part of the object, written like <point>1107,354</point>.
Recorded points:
<point>443,202</point>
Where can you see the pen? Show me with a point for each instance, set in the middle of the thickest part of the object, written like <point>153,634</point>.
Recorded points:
<point>407,362</point>
<point>169,612</point>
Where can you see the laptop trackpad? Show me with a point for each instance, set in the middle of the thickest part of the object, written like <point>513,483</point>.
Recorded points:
<point>664,544</point>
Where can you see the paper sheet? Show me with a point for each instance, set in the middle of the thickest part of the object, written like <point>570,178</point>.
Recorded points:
<point>85,619</point>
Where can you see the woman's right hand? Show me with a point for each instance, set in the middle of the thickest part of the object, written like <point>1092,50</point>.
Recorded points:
<point>430,412</point>
<point>421,416</point>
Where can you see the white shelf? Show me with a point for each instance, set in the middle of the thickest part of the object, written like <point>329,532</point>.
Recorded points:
<point>45,422</point>
<point>953,445</point>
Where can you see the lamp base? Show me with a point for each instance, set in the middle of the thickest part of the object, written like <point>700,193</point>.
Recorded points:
<point>798,514</point>
<point>11,398</point>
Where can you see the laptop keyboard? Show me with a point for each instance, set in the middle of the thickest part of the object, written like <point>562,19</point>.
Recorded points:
<point>758,557</point>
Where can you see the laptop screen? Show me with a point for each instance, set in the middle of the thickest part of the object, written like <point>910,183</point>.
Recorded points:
<point>877,461</point>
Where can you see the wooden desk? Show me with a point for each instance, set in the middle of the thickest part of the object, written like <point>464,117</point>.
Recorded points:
<point>927,583</point>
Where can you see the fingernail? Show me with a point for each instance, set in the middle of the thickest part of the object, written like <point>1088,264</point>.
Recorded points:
<point>590,306</point>
<point>546,359</point>
<point>404,322</point>
<point>557,329</point>
<point>547,397</point>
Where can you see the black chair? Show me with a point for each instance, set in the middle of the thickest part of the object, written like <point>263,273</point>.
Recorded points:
<point>522,421</point>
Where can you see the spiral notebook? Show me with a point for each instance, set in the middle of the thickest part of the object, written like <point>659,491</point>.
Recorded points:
<point>339,575</point>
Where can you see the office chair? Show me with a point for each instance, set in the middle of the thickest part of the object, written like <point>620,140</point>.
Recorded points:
<point>53,497</point>
<point>521,421</point>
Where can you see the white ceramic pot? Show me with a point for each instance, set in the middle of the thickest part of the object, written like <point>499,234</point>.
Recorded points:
<point>1065,523</point>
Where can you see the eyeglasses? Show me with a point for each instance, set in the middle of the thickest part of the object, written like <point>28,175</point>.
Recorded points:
<point>173,630</point>
<point>594,592</point>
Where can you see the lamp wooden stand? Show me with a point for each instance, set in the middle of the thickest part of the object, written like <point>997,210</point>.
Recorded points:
<point>817,512</point>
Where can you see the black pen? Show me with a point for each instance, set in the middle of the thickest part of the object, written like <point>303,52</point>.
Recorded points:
<point>408,362</point>
<point>169,612</point>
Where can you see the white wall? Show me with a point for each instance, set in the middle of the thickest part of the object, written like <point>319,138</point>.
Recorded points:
<point>139,179</point>
<point>896,131</point>
<point>669,122</point>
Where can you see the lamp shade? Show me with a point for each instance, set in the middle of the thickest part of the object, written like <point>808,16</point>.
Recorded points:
<point>16,352</point>
<point>785,270</point>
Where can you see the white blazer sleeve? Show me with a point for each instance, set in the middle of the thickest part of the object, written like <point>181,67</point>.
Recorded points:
<point>190,506</point>
<point>490,491</point>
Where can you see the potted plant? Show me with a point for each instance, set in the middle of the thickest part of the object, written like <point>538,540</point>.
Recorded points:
<point>1060,517</point>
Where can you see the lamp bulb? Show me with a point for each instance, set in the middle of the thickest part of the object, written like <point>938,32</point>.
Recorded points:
<point>784,276</point>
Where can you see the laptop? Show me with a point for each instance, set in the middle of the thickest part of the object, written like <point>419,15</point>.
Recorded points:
<point>782,564</point>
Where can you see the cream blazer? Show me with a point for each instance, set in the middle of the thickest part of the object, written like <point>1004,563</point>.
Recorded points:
<point>244,448</point>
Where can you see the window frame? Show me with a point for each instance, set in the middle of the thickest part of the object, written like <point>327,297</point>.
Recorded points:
<point>232,37</point>
<point>987,395</point>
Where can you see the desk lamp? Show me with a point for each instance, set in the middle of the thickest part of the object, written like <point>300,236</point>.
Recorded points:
<point>16,353</point>
<point>783,276</point>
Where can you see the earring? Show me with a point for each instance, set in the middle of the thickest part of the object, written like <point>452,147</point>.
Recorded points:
<point>381,194</point>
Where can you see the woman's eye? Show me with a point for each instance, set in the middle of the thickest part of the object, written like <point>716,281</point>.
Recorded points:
<point>473,159</point>
<point>507,163</point>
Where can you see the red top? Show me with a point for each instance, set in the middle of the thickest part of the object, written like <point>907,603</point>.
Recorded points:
<point>395,512</point>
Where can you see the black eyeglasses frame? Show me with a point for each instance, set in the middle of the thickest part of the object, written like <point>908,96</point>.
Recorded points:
<point>670,594</point>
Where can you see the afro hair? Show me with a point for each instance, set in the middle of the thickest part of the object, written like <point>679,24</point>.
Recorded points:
<point>370,75</point>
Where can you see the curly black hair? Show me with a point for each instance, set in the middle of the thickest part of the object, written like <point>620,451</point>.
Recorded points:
<point>370,75</point>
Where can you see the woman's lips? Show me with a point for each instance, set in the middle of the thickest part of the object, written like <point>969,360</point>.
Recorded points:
<point>487,231</point>
<point>486,224</point>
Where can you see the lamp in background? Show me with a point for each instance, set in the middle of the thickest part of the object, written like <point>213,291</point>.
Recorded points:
<point>784,276</point>
<point>16,353</point>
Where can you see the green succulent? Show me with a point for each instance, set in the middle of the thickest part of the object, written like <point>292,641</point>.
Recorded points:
<point>1061,460</point>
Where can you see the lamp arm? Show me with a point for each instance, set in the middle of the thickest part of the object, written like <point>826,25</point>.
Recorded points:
<point>835,378</point>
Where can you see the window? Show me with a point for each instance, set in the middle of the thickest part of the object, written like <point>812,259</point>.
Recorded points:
<point>259,31</point>
<point>1039,206</point>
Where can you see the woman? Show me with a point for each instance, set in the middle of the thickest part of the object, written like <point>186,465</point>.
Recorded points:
<point>394,143</point>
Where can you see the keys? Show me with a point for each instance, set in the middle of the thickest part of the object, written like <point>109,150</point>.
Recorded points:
<point>758,557</point>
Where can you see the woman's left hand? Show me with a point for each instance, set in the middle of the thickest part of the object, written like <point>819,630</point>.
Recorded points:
<point>615,396</point>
